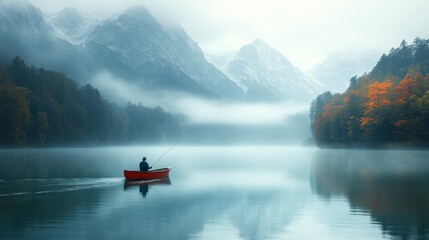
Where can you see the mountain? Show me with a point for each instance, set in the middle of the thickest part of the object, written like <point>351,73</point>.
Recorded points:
<point>25,32</point>
<point>71,25</point>
<point>265,74</point>
<point>22,28</point>
<point>132,46</point>
<point>220,61</point>
<point>135,45</point>
<point>337,69</point>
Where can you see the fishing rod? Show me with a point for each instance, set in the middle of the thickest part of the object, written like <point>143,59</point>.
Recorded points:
<point>163,155</point>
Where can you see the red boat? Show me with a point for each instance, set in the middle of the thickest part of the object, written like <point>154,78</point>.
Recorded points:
<point>152,174</point>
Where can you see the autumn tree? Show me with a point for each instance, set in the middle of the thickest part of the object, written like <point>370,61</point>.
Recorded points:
<point>388,106</point>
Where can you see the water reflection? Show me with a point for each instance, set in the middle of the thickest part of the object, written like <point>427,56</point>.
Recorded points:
<point>391,185</point>
<point>145,185</point>
<point>229,190</point>
<point>26,204</point>
<point>218,193</point>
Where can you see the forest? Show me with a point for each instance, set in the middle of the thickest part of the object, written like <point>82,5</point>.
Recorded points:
<point>46,108</point>
<point>388,107</point>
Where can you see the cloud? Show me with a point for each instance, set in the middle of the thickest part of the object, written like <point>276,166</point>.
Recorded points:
<point>123,91</point>
<point>217,112</point>
<point>196,110</point>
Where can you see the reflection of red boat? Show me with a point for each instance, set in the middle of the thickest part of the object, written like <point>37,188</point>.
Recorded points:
<point>153,174</point>
<point>152,182</point>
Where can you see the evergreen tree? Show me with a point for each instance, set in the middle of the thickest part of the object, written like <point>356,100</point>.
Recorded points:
<point>42,107</point>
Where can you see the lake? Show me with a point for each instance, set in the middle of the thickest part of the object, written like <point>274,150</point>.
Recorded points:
<point>254,192</point>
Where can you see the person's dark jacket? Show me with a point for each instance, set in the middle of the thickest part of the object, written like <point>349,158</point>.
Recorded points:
<point>144,166</point>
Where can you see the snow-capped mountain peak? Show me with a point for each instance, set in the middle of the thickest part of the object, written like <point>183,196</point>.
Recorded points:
<point>135,39</point>
<point>264,73</point>
<point>265,51</point>
<point>134,46</point>
<point>71,25</point>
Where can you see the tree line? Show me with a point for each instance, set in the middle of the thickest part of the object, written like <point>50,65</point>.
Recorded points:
<point>46,108</point>
<point>387,107</point>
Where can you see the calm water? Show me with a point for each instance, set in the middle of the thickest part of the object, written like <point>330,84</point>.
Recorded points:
<point>215,193</point>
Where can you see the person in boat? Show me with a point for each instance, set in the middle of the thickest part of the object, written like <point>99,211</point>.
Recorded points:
<point>144,166</point>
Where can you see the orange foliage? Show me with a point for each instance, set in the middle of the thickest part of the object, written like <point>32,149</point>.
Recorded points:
<point>384,101</point>
<point>376,89</point>
<point>375,111</point>
<point>405,89</point>
<point>400,123</point>
<point>365,121</point>
<point>378,96</point>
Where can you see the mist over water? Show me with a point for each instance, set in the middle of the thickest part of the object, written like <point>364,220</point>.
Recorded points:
<point>234,192</point>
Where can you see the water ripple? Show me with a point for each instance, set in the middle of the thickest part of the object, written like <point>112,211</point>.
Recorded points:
<point>59,185</point>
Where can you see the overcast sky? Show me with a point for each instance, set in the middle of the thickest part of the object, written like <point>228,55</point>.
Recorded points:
<point>305,31</point>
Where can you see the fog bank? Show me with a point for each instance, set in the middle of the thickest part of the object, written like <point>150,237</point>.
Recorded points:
<point>197,110</point>
<point>216,121</point>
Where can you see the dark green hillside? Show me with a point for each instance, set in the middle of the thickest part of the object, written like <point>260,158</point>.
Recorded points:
<point>45,108</point>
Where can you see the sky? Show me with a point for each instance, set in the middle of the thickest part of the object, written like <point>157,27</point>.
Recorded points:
<point>305,31</point>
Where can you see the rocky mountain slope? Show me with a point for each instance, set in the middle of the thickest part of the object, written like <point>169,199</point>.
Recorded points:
<point>265,74</point>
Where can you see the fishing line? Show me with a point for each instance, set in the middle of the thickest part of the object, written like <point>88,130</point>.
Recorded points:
<point>163,155</point>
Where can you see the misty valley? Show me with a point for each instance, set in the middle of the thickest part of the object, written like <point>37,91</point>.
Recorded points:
<point>129,121</point>
<point>69,79</point>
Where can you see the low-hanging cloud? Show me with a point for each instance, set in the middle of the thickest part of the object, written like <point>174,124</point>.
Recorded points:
<point>197,110</point>
<point>217,112</point>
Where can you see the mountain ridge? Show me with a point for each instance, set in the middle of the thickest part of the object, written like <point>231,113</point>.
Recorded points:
<point>134,46</point>
<point>265,73</point>
<point>137,40</point>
